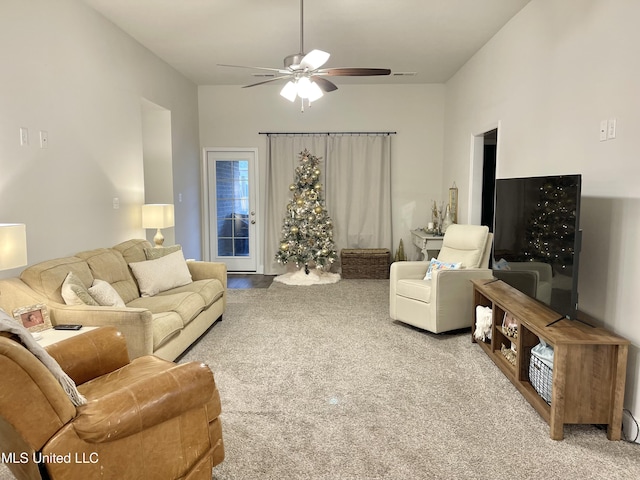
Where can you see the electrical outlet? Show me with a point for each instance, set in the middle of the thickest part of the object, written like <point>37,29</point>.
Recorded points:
<point>603,130</point>
<point>44,139</point>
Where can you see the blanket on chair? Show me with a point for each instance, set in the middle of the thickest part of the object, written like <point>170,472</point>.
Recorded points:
<point>8,324</point>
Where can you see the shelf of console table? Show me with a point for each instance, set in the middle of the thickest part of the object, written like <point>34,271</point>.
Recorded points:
<point>589,365</point>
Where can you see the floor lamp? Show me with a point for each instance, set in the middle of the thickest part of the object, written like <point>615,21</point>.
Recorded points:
<point>157,215</point>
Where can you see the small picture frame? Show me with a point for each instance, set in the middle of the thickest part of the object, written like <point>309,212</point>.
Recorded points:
<point>34,318</point>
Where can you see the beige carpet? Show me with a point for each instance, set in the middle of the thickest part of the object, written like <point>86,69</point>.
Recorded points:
<point>318,383</point>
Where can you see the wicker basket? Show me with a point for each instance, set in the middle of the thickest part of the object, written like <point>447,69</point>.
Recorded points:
<point>365,263</point>
<point>541,377</point>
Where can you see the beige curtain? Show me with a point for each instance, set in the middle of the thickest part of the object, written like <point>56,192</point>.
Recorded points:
<point>358,190</point>
<point>356,173</point>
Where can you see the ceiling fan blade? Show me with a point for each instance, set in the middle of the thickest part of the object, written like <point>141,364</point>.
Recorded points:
<point>324,84</point>
<point>354,72</point>
<point>279,70</point>
<point>314,59</point>
<point>267,81</point>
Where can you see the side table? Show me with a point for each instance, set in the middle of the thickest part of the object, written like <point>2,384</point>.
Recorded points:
<point>51,336</point>
<point>428,244</point>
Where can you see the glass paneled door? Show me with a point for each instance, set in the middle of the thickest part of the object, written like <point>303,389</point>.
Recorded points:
<point>232,209</point>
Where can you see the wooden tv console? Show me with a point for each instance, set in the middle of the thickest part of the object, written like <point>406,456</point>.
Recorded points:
<point>589,365</point>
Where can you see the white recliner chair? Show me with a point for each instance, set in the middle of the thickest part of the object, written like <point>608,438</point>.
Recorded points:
<point>445,302</point>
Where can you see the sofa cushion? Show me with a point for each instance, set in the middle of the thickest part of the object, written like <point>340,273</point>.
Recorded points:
<point>414,289</point>
<point>210,290</point>
<point>166,325</point>
<point>157,252</point>
<point>186,304</point>
<point>133,250</point>
<point>103,293</point>
<point>74,292</point>
<point>46,277</point>
<point>109,265</point>
<point>162,274</point>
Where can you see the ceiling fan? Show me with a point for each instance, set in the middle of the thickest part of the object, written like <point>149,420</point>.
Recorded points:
<point>305,77</point>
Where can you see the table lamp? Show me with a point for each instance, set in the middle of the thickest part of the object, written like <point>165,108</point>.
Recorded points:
<point>157,215</point>
<point>13,245</point>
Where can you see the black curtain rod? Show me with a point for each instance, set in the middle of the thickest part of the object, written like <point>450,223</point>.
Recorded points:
<point>327,133</point>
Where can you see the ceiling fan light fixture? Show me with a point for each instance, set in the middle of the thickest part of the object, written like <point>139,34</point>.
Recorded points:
<point>308,90</point>
<point>304,72</point>
<point>315,92</point>
<point>304,87</point>
<point>289,91</point>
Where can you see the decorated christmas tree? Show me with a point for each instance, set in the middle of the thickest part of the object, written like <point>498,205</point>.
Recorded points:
<point>307,230</point>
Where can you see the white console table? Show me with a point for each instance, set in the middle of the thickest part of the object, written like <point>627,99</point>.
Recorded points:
<point>428,244</point>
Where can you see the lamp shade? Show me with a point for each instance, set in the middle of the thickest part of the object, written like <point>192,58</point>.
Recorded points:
<point>289,91</point>
<point>13,245</point>
<point>157,215</point>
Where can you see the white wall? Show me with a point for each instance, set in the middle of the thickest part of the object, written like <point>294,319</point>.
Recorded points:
<point>67,70</point>
<point>157,161</point>
<point>549,77</point>
<point>233,117</point>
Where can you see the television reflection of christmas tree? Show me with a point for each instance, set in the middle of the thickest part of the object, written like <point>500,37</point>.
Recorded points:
<point>551,229</point>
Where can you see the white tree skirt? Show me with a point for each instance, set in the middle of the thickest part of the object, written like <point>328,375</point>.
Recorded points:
<point>315,277</point>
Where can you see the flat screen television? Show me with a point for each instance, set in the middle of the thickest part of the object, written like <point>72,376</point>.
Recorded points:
<point>537,238</point>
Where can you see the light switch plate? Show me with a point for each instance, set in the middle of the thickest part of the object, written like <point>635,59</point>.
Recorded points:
<point>24,136</point>
<point>611,132</point>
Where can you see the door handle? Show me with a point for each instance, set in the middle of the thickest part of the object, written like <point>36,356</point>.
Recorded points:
<point>253,222</point>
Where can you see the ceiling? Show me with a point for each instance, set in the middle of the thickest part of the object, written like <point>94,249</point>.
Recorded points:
<point>432,38</point>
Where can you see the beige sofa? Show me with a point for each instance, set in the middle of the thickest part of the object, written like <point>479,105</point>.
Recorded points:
<point>164,324</point>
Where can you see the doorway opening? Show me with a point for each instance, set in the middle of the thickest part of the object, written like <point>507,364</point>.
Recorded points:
<point>489,178</point>
<point>484,159</point>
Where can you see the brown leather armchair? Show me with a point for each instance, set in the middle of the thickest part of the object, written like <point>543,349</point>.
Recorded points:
<point>148,418</point>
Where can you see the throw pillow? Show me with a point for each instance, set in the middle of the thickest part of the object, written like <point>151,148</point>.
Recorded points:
<point>438,265</point>
<point>162,274</point>
<point>74,292</point>
<point>157,252</point>
<point>105,294</point>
